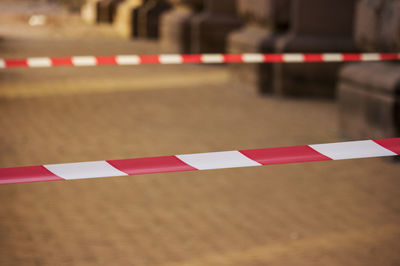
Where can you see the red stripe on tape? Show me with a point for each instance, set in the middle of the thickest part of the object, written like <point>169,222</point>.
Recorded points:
<point>351,57</point>
<point>149,59</point>
<point>150,165</point>
<point>26,174</point>
<point>313,58</point>
<point>390,144</point>
<point>273,57</point>
<point>233,58</point>
<point>295,154</point>
<point>16,62</point>
<point>389,56</point>
<point>106,60</point>
<point>61,61</point>
<point>191,58</point>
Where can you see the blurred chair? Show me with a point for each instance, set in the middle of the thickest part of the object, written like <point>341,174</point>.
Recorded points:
<point>315,26</point>
<point>211,27</point>
<point>90,11</point>
<point>107,10</point>
<point>264,20</point>
<point>149,18</point>
<point>126,18</point>
<point>175,31</point>
<point>369,93</point>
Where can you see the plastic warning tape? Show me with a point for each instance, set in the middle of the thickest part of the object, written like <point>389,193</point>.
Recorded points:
<point>202,161</point>
<point>80,61</point>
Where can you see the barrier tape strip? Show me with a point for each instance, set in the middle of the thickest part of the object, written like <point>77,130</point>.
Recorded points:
<point>202,161</point>
<point>79,61</point>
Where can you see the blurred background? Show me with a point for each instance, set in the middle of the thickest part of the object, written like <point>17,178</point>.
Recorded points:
<point>322,213</point>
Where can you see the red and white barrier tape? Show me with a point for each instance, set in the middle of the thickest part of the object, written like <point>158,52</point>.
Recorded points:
<point>121,60</point>
<point>202,161</point>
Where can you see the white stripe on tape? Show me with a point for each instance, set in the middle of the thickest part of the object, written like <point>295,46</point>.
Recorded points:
<point>170,59</point>
<point>217,160</point>
<point>212,58</point>
<point>332,57</point>
<point>128,59</point>
<point>253,58</point>
<point>84,170</point>
<point>39,62</point>
<point>84,61</point>
<point>2,63</point>
<point>352,149</point>
<point>370,57</point>
<point>293,58</point>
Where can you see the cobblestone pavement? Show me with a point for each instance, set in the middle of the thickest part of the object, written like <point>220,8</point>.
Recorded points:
<point>323,213</point>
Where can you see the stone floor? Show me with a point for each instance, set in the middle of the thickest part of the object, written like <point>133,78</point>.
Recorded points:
<point>323,213</point>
